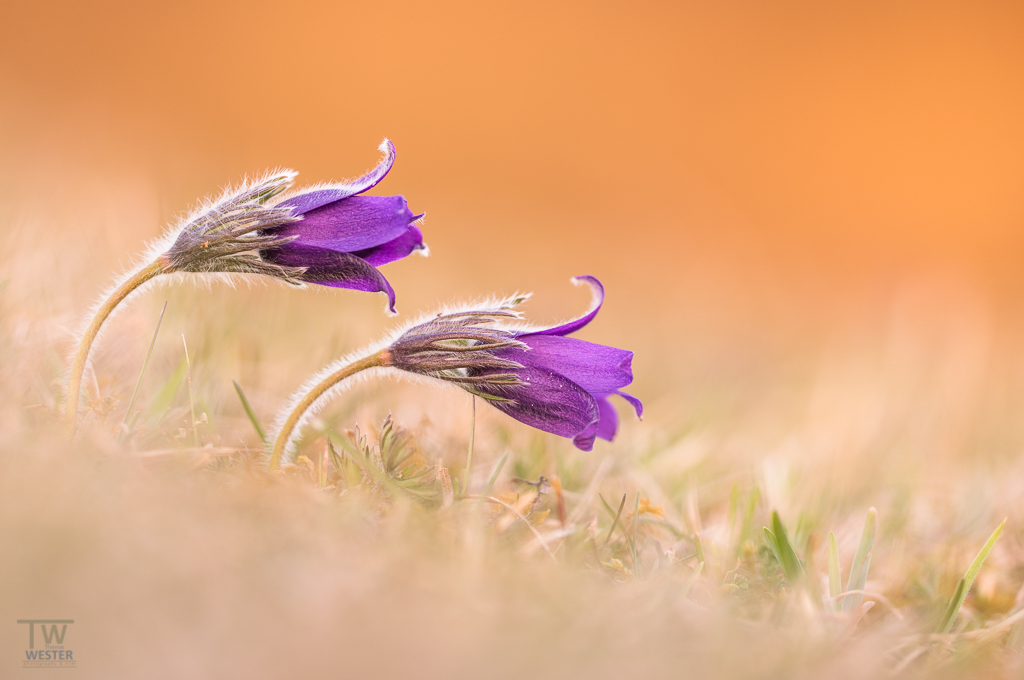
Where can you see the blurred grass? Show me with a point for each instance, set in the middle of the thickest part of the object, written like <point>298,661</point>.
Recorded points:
<point>177,552</point>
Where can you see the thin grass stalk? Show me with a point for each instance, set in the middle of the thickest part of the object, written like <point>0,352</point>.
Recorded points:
<point>615,516</point>
<point>249,411</point>
<point>191,397</point>
<point>126,426</point>
<point>494,475</point>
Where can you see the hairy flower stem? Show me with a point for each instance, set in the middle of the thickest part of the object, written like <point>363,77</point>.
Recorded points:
<point>381,358</point>
<point>85,344</point>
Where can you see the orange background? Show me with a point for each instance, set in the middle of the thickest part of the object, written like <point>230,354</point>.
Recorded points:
<point>703,159</point>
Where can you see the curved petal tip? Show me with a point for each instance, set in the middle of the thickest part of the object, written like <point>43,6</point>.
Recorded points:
<point>634,402</point>
<point>590,280</point>
<point>318,196</point>
<point>596,301</point>
<point>373,177</point>
<point>390,292</point>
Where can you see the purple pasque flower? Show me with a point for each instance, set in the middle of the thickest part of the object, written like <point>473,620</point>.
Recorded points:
<point>539,376</point>
<point>326,234</point>
<point>340,237</point>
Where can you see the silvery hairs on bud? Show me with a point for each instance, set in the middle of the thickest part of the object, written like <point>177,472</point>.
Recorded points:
<point>457,347</point>
<point>224,235</point>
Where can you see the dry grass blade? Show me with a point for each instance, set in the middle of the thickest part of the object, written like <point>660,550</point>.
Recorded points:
<point>536,534</point>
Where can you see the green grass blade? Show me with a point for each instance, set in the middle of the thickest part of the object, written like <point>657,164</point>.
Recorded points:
<point>787,556</point>
<point>953,608</point>
<point>125,425</point>
<point>861,562</point>
<point>250,412</point>
<point>964,585</point>
<point>336,459</point>
<point>773,543</point>
<point>494,475</point>
<point>835,583</point>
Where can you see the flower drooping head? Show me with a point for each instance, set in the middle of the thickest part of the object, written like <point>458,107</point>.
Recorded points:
<point>539,376</point>
<point>326,234</point>
<point>342,237</point>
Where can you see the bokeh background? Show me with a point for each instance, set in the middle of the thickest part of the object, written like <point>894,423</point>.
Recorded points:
<point>745,173</point>
<point>808,217</point>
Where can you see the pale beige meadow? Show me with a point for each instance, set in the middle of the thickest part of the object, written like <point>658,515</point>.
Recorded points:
<point>178,555</point>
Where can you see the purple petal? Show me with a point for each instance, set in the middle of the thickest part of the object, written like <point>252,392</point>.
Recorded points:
<point>605,428</point>
<point>595,306</point>
<point>609,423</point>
<point>634,402</point>
<point>585,440</point>
<point>549,402</point>
<point>411,240</point>
<point>310,200</point>
<point>595,368</point>
<point>354,224</point>
<point>331,268</point>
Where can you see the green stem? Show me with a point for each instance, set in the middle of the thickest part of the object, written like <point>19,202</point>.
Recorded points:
<point>85,344</point>
<point>381,358</point>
